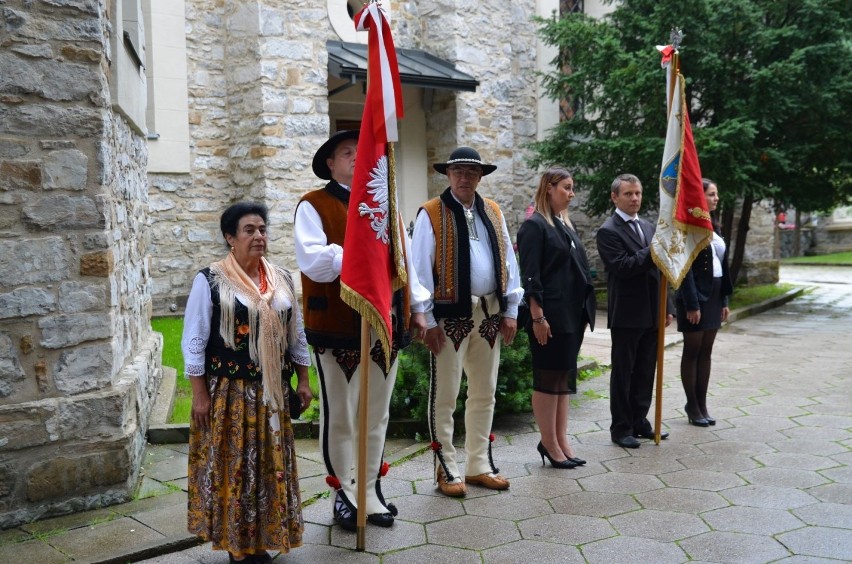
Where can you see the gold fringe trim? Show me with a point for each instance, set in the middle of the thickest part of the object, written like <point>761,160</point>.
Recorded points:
<point>364,307</point>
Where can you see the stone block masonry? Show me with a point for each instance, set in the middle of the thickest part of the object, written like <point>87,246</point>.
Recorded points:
<point>79,364</point>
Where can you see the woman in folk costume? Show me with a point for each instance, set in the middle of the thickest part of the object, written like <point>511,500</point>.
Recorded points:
<point>561,298</point>
<point>241,336</point>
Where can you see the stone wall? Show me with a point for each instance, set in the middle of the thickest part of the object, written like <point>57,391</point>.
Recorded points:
<point>79,364</point>
<point>258,96</point>
<point>496,43</point>
<point>258,111</point>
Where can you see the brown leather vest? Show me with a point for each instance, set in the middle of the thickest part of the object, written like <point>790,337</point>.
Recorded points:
<point>329,322</point>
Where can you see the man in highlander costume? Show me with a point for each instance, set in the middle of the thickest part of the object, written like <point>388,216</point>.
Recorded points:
<point>463,255</point>
<point>334,331</point>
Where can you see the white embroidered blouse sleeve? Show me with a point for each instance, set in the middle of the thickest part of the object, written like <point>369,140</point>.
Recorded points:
<point>514,290</point>
<point>196,327</point>
<point>317,259</point>
<point>422,261</point>
<point>298,343</point>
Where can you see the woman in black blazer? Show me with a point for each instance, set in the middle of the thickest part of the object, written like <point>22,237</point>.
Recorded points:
<point>702,306</point>
<point>561,299</point>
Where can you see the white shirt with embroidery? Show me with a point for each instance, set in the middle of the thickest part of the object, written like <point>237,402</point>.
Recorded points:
<point>483,280</point>
<point>197,321</point>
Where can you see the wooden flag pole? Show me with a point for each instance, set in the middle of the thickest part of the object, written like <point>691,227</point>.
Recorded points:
<point>361,479</point>
<point>664,282</point>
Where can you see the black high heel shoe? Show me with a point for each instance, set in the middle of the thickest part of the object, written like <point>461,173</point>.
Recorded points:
<point>709,419</point>
<point>566,464</point>
<point>697,421</point>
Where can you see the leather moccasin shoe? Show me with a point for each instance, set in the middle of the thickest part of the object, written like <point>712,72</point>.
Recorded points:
<point>451,489</point>
<point>490,481</point>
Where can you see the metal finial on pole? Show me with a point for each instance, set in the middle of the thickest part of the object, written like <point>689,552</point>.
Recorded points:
<point>675,37</point>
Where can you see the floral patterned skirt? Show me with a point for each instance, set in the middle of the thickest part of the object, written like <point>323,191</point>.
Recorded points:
<point>243,483</point>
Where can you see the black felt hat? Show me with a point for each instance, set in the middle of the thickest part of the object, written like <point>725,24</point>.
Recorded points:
<point>465,156</point>
<point>327,150</point>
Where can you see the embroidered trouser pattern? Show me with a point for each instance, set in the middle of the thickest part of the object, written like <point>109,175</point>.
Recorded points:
<point>339,424</point>
<point>477,354</point>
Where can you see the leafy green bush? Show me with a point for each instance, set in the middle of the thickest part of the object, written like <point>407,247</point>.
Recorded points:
<point>514,382</point>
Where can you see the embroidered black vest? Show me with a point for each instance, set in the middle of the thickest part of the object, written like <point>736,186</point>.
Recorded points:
<point>226,362</point>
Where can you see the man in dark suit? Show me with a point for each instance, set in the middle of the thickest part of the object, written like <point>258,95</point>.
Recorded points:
<point>633,294</point>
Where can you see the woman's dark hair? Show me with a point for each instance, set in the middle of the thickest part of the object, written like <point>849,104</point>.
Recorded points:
<point>714,216</point>
<point>231,217</point>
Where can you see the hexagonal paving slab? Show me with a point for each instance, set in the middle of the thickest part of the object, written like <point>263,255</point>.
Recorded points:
<point>753,520</point>
<point>545,486</point>
<point>826,514</point>
<point>783,477</point>
<point>377,540</point>
<point>820,541</point>
<point>644,465</point>
<point>795,460</point>
<point>594,504</point>
<point>658,525</point>
<point>702,480</point>
<point>616,482</point>
<point>427,508</point>
<point>718,462</point>
<point>627,550</point>
<point>766,496</point>
<point>532,551</point>
<point>744,448</point>
<point>681,500</point>
<point>834,493</point>
<point>733,547</point>
<point>431,553</point>
<point>566,529</point>
<point>475,533</point>
<point>499,507</point>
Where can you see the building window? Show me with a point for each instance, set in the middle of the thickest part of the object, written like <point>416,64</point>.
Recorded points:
<point>128,87</point>
<point>167,115</point>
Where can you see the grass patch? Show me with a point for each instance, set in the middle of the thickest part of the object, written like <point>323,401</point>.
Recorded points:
<point>840,259</point>
<point>750,295</point>
<point>172,330</point>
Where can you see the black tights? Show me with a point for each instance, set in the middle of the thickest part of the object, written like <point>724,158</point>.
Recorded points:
<point>695,370</point>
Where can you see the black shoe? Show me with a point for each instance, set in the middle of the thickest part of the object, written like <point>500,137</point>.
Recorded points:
<point>650,435</point>
<point>380,519</point>
<point>627,442</point>
<point>698,421</point>
<point>392,509</point>
<point>344,516</point>
<point>565,464</point>
<point>701,422</point>
<point>577,461</point>
<point>710,420</point>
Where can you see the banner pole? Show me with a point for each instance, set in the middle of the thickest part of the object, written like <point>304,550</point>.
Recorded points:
<point>664,284</point>
<point>364,368</point>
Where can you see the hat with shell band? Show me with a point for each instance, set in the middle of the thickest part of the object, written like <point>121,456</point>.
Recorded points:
<point>465,156</point>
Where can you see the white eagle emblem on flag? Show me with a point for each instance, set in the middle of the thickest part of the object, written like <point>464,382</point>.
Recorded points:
<point>377,187</point>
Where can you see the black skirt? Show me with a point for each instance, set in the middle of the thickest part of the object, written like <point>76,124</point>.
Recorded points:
<point>555,364</point>
<point>711,312</point>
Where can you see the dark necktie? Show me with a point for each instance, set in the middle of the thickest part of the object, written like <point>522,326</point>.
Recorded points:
<point>635,225</point>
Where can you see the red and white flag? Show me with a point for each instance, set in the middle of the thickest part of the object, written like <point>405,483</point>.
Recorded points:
<point>373,261</point>
<point>684,227</point>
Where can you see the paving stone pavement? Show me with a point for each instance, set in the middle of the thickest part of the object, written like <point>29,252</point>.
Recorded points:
<point>771,482</point>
